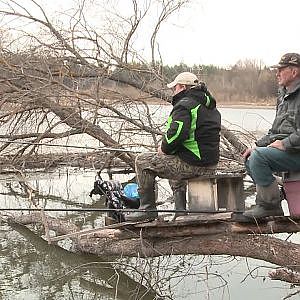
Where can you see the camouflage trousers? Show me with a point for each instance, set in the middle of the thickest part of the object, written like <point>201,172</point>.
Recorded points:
<point>150,165</point>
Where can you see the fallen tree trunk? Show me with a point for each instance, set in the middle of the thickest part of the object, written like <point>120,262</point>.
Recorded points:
<point>90,160</point>
<point>58,225</point>
<point>218,237</point>
<point>260,247</point>
<point>237,144</point>
<point>206,224</point>
<point>98,160</point>
<point>285,275</point>
<point>71,118</point>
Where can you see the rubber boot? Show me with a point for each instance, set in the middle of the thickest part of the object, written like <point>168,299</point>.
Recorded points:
<point>147,202</point>
<point>268,202</point>
<point>180,202</point>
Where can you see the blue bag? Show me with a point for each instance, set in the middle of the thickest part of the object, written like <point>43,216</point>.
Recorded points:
<point>131,191</point>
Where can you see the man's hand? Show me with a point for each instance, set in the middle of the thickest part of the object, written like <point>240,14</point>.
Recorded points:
<point>247,152</point>
<point>277,144</point>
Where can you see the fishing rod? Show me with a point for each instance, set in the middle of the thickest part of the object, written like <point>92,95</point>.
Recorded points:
<point>126,210</point>
<point>75,146</point>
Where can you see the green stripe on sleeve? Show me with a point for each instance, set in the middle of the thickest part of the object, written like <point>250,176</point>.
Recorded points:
<point>174,137</point>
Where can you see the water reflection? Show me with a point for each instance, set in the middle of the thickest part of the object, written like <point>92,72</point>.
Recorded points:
<point>32,269</point>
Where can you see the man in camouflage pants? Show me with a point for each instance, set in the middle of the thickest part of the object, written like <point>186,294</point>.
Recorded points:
<point>189,148</point>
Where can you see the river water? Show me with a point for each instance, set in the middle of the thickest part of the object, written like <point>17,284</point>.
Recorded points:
<point>32,269</point>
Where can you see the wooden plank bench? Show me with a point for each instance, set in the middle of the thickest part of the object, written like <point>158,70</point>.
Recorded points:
<point>220,191</point>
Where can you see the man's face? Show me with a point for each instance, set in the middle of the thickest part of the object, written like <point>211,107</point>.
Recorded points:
<point>178,88</point>
<point>286,75</point>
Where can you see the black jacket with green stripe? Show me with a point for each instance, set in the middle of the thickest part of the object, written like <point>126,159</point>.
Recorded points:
<point>193,128</point>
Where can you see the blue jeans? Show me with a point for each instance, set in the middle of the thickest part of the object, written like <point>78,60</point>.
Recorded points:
<point>264,161</point>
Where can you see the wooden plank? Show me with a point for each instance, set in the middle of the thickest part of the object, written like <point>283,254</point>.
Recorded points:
<point>189,220</point>
<point>201,229</point>
<point>189,226</point>
<point>92,230</point>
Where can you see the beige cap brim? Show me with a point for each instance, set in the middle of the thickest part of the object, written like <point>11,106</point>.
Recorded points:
<point>171,84</point>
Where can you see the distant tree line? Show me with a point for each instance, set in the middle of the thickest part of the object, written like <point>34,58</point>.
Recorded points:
<point>248,81</point>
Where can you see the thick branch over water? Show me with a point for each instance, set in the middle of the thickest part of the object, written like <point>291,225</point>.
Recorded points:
<point>179,238</point>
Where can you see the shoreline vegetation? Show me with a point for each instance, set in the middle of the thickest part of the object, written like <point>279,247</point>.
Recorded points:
<point>242,104</point>
<point>246,105</point>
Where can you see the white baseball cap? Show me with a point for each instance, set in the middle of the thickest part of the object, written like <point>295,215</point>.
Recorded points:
<point>187,78</point>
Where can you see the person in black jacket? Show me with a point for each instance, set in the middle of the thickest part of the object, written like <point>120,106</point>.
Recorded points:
<point>189,147</point>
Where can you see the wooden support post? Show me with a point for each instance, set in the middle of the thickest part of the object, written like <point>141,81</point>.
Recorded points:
<point>231,193</point>
<point>212,194</point>
<point>202,194</point>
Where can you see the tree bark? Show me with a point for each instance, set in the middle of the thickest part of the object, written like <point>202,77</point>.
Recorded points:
<point>260,247</point>
<point>285,275</point>
<point>75,121</point>
<point>93,160</point>
<point>216,238</point>
<point>234,140</point>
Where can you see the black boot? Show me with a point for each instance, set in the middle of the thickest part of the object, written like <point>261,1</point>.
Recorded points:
<point>262,211</point>
<point>179,195</point>
<point>268,202</point>
<point>147,202</point>
<point>180,203</point>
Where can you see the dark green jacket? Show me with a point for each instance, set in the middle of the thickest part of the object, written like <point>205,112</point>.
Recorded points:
<point>193,128</point>
<point>286,125</point>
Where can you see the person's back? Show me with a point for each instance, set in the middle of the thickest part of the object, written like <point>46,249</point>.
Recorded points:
<point>197,141</point>
<point>190,145</point>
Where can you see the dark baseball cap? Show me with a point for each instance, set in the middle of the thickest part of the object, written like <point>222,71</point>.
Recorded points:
<point>288,59</point>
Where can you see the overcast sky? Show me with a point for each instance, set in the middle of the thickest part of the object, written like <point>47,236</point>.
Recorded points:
<point>218,32</point>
